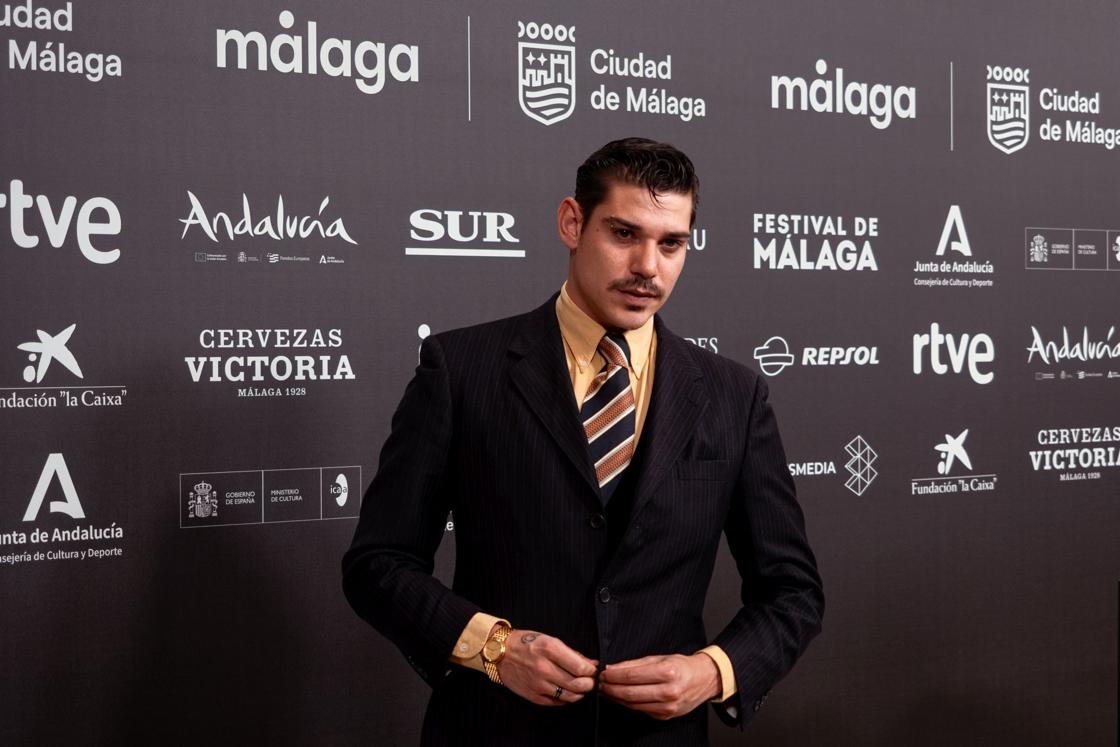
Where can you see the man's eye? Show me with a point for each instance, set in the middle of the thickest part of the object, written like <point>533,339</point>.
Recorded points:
<point>624,233</point>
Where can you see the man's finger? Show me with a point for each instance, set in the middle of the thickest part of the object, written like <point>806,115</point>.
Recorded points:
<point>636,694</point>
<point>556,676</point>
<point>571,661</point>
<point>636,674</point>
<point>636,662</point>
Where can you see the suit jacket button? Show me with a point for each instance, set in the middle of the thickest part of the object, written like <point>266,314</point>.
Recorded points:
<point>597,521</point>
<point>604,595</point>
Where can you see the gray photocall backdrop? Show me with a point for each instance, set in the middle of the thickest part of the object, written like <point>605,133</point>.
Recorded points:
<point>228,225</point>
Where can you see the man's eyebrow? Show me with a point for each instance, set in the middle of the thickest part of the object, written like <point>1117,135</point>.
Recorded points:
<point>614,220</point>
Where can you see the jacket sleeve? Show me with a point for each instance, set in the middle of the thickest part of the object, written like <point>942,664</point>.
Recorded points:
<point>387,572</point>
<point>782,596</point>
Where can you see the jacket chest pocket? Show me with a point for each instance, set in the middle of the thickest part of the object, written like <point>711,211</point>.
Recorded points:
<point>702,469</point>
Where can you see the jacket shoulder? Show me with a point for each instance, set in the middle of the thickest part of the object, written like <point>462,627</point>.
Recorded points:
<point>489,338</point>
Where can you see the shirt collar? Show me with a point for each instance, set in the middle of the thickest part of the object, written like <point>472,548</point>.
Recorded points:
<point>582,334</point>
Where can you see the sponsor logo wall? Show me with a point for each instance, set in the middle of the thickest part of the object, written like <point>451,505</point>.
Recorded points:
<point>221,249</point>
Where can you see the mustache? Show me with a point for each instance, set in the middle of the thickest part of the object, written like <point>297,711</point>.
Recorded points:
<point>637,284</point>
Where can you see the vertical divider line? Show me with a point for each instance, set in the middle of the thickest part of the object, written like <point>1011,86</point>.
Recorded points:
<point>951,105</point>
<point>468,68</point>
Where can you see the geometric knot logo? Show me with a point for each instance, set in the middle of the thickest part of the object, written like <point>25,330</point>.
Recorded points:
<point>860,465</point>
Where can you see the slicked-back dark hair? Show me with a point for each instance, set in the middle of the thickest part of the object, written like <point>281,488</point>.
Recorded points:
<point>659,167</point>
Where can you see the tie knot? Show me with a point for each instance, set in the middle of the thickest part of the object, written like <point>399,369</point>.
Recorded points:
<point>614,349</point>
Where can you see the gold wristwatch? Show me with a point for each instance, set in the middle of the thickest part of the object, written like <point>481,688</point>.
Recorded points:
<point>493,651</point>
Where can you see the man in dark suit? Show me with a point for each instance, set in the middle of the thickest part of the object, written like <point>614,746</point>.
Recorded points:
<point>592,459</point>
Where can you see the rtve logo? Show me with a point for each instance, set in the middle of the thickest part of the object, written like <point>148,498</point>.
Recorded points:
<point>97,216</point>
<point>967,350</point>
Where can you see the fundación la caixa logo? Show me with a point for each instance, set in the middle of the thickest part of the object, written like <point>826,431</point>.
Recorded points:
<point>39,358</point>
<point>951,454</point>
<point>58,222</point>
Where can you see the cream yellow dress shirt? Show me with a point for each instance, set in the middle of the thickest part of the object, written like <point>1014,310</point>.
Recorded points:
<point>581,336</point>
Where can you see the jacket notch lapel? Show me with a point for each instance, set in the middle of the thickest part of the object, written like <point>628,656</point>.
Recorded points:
<point>541,378</point>
<point>676,406</point>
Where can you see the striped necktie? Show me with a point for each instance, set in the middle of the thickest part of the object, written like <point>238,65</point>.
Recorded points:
<point>608,415</point>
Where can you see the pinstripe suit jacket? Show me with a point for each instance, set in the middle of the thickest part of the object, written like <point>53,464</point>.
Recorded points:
<point>489,428</point>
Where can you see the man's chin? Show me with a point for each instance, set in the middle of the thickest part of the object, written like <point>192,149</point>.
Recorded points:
<point>631,317</point>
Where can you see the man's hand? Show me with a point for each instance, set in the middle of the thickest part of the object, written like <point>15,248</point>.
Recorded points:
<point>663,687</point>
<point>536,664</point>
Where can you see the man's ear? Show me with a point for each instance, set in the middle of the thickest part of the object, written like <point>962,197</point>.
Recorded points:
<point>569,222</point>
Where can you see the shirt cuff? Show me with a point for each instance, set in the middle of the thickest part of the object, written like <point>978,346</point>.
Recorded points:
<point>726,672</point>
<point>473,638</point>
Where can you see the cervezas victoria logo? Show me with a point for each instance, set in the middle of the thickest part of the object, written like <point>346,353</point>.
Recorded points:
<point>546,71</point>
<point>1076,453</point>
<point>270,362</point>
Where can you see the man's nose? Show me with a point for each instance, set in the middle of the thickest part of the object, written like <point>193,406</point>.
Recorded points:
<point>643,260</point>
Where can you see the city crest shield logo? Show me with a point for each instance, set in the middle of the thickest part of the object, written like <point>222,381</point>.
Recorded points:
<point>546,80</point>
<point>1009,116</point>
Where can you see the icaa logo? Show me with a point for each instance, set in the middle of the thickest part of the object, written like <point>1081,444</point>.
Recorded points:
<point>546,71</point>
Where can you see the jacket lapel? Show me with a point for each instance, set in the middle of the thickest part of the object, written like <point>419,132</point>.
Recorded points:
<point>541,376</point>
<point>676,406</point>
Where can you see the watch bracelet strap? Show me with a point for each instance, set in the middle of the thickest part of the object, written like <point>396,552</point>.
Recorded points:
<point>491,669</point>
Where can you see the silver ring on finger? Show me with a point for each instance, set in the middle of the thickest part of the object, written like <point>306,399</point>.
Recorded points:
<point>559,692</point>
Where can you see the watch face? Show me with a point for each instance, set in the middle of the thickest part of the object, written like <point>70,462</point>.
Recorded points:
<point>493,650</point>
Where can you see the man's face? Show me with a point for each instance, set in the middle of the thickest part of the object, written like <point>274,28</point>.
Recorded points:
<point>625,256</point>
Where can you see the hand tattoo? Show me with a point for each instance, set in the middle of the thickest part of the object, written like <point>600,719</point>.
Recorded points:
<point>529,637</point>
